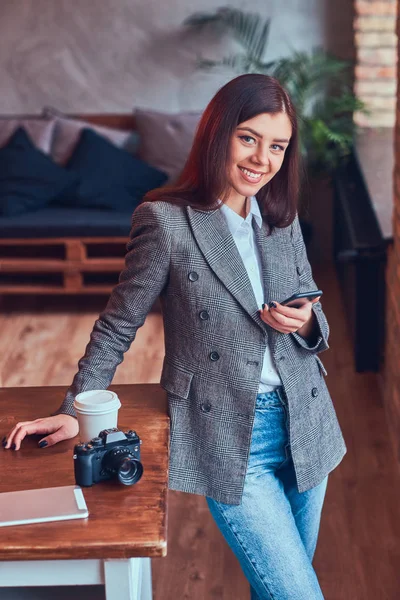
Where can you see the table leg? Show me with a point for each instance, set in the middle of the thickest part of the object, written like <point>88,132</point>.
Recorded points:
<point>147,589</point>
<point>129,579</point>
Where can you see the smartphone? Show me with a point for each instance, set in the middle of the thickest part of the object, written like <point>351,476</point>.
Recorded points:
<point>298,300</point>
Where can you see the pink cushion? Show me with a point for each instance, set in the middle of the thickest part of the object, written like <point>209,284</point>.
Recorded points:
<point>68,131</point>
<point>38,129</point>
<point>166,139</point>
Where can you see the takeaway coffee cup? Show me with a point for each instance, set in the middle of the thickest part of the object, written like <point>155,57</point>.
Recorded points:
<point>96,410</point>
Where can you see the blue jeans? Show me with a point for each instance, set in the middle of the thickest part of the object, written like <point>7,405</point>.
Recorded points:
<point>274,531</point>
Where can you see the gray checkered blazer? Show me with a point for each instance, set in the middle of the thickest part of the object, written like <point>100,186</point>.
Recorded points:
<point>214,346</point>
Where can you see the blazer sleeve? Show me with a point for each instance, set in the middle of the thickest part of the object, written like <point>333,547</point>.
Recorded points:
<point>307,283</point>
<point>144,276</point>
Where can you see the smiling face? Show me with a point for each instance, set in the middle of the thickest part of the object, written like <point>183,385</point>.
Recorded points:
<point>256,152</point>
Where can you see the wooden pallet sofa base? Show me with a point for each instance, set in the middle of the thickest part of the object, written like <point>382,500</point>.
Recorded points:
<point>32,265</point>
<point>61,265</point>
<point>74,266</point>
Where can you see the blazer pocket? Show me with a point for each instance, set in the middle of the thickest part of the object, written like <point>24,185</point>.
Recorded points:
<point>176,381</point>
<point>321,366</point>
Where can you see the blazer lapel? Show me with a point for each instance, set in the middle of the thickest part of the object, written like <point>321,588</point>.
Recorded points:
<point>265,245</point>
<point>219,249</point>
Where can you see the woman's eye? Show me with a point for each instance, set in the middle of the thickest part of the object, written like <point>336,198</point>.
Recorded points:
<point>247,138</point>
<point>279,147</point>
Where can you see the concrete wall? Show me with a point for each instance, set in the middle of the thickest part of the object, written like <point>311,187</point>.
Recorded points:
<point>112,55</point>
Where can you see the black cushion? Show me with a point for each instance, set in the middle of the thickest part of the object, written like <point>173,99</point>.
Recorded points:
<point>56,221</point>
<point>109,177</point>
<point>28,178</point>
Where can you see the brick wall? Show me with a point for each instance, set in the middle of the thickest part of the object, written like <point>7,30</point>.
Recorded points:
<point>376,57</point>
<point>391,374</point>
<point>377,70</point>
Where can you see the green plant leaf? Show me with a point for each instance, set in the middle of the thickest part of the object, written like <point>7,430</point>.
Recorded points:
<point>200,20</point>
<point>318,83</point>
<point>247,28</point>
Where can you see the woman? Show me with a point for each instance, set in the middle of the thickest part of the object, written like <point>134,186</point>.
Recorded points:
<point>253,428</point>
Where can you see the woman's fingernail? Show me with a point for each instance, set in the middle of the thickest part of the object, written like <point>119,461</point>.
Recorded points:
<point>13,447</point>
<point>263,306</point>
<point>42,444</point>
<point>272,305</point>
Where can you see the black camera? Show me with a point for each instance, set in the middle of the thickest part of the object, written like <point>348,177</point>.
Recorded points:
<point>112,454</point>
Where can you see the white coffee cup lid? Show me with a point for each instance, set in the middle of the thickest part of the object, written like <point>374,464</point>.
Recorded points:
<point>96,401</point>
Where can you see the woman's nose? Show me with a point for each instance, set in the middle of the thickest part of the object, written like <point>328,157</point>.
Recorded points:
<point>262,156</point>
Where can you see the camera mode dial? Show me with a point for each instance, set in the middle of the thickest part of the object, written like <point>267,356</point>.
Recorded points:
<point>96,441</point>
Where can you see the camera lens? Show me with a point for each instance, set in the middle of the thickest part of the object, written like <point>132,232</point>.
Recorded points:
<point>129,471</point>
<point>123,465</point>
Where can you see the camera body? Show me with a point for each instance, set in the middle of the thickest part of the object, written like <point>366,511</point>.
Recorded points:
<point>112,453</point>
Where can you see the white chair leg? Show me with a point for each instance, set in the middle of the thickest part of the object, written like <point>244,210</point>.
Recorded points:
<point>123,578</point>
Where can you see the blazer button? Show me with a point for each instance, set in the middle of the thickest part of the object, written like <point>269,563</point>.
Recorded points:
<point>214,355</point>
<point>314,392</point>
<point>193,276</point>
<point>205,407</point>
<point>298,270</point>
<point>203,314</point>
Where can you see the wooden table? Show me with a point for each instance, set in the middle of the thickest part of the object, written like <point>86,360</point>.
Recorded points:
<point>127,525</point>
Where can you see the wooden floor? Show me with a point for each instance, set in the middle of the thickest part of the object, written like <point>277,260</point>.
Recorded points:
<point>358,553</point>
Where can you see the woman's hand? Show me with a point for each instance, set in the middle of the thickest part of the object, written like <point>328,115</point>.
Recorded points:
<point>287,319</point>
<point>60,427</point>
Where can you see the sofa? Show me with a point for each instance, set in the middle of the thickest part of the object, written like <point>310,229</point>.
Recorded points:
<point>68,187</point>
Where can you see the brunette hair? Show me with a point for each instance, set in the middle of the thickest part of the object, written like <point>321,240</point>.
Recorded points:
<point>203,178</point>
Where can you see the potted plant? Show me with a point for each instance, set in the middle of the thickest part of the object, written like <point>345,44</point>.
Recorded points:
<point>317,82</point>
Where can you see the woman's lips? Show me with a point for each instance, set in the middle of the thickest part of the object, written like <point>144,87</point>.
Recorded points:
<point>248,178</point>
